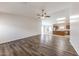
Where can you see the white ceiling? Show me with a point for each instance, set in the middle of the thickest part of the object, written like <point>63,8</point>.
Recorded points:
<point>31,9</point>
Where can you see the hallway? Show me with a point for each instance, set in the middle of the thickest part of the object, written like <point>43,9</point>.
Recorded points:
<point>40,45</point>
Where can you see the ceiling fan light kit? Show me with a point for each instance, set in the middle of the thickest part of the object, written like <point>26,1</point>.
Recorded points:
<point>43,15</point>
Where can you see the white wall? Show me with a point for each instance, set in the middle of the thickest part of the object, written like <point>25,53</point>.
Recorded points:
<point>74,27</point>
<point>14,27</point>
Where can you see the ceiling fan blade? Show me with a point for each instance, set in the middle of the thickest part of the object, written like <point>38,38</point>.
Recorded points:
<point>42,10</point>
<point>45,13</point>
<point>47,16</point>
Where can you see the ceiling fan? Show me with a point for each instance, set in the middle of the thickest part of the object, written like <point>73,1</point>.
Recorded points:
<point>43,15</point>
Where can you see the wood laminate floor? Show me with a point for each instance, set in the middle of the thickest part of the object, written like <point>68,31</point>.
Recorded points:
<point>40,45</point>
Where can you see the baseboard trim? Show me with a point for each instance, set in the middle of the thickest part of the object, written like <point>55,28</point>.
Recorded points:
<point>20,39</point>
